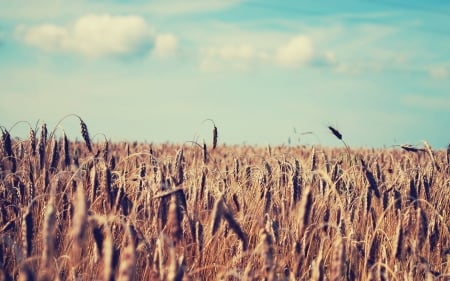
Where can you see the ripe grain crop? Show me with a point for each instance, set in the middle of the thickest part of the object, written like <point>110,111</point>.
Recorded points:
<point>87,210</point>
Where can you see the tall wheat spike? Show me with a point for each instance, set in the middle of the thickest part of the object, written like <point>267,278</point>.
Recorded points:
<point>179,165</point>
<point>205,153</point>
<point>54,154</point>
<point>6,143</point>
<point>85,135</point>
<point>44,133</point>
<point>215,136</point>
<point>41,151</point>
<point>32,136</point>
<point>448,158</point>
<point>66,152</point>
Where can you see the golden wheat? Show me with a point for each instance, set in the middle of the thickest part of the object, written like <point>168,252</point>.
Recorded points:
<point>139,212</point>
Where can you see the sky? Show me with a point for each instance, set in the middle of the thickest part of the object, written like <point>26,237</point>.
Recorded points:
<point>266,72</point>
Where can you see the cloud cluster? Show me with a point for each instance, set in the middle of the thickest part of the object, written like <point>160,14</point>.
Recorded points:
<point>298,51</point>
<point>439,72</point>
<point>98,35</point>
<point>166,46</point>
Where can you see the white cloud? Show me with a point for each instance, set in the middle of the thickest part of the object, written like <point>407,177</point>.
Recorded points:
<point>166,45</point>
<point>298,51</point>
<point>55,9</point>
<point>237,57</point>
<point>90,35</point>
<point>439,72</point>
<point>176,7</point>
<point>330,57</point>
<point>295,52</point>
<point>47,37</point>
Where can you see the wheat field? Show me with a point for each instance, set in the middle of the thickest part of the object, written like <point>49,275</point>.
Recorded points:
<point>85,210</point>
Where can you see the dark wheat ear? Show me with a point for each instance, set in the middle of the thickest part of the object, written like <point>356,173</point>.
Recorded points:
<point>85,134</point>
<point>338,135</point>
<point>410,148</point>
<point>215,135</point>
<point>33,141</point>
<point>6,143</point>
<point>448,156</point>
<point>335,132</point>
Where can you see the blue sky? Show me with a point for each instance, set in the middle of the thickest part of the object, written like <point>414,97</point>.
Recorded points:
<point>264,71</point>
